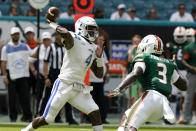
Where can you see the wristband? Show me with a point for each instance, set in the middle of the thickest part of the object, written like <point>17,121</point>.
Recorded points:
<point>99,62</point>
<point>53,25</point>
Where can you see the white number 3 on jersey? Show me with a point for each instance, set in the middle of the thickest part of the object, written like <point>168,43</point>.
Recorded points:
<point>162,73</point>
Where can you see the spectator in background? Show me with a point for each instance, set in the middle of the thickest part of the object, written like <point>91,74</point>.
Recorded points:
<point>38,71</point>
<point>32,43</point>
<point>120,14</point>
<point>29,35</point>
<point>30,12</point>
<point>70,12</point>
<point>181,15</point>
<point>153,14</point>
<point>193,12</point>
<point>15,71</point>
<point>99,13</point>
<point>132,13</point>
<point>14,8</point>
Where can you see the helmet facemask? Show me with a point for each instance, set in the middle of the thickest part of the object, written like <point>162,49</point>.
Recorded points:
<point>190,35</point>
<point>179,35</point>
<point>190,38</point>
<point>180,39</point>
<point>91,32</point>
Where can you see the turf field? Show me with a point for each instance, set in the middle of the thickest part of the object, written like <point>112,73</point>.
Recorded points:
<point>18,127</point>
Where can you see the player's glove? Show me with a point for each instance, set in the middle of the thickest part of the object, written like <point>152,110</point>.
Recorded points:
<point>114,93</point>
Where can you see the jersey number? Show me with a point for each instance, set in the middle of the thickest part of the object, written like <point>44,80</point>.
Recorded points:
<point>77,37</point>
<point>88,60</point>
<point>179,54</point>
<point>162,73</point>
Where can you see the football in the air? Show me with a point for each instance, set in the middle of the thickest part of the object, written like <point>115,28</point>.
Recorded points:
<point>52,14</point>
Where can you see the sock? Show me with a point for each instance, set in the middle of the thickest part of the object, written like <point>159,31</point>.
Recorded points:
<point>98,128</point>
<point>173,107</point>
<point>121,128</point>
<point>194,113</point>
<point>181,115</point>
<point>30,127</point>
<point>181,112</point>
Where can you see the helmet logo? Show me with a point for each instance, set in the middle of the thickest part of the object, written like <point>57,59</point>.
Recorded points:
<point>159,43</point>
<point>180,29</point>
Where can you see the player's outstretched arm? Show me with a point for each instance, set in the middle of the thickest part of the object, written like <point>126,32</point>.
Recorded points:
<point>52,16</point>
<point>67,39</point>
<point>130,78</point>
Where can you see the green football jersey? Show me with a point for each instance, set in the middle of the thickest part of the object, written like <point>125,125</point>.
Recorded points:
<point>158,73</point>
<point>177,50</point>
<point>191,52</point>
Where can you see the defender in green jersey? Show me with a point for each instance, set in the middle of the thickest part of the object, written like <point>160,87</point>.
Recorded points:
<point>174,50</point>
<point>189,61</point>
<point>156,75</point>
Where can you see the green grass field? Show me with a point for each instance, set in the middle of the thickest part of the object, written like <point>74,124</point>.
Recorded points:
<point>83,129</point>
<point>55,127</point>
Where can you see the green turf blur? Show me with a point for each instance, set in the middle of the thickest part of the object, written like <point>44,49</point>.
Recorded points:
<point>86,129</point>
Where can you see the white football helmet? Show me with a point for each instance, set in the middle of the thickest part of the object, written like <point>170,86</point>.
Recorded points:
<point>179,35</point>
<point>87,27</point>
<point>150,44</point>
<point>190,35</point>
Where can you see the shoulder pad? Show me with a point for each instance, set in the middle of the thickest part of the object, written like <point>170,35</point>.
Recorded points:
<point>141,54</point>
<point>139,57</point>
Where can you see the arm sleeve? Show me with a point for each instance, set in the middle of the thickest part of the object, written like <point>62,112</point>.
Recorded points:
<point>174,77</point>
<point>47,54</point>
<point>140,64</point>
<point>3,54</point>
